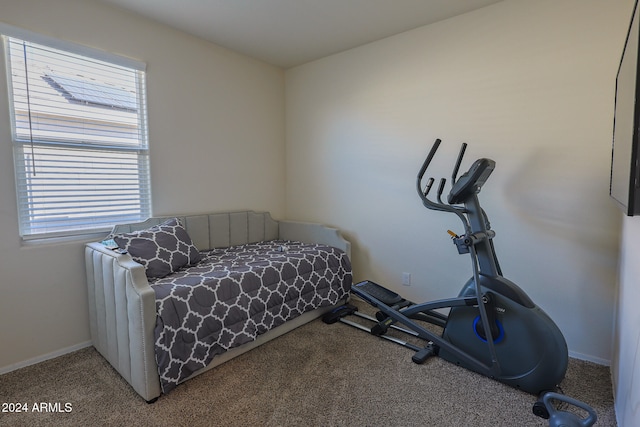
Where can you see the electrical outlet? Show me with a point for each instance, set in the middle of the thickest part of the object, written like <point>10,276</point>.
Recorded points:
<point>406,279</point>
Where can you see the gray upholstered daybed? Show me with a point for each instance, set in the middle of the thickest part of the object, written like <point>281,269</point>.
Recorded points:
<point>235,281</point>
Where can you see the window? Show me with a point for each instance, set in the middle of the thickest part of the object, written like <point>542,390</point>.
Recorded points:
<point>79,132</point>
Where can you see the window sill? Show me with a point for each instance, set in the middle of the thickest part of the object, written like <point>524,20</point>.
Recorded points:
<point>42,241</point>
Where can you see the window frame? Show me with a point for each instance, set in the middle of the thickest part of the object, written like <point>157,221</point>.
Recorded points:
<point>141,149</point>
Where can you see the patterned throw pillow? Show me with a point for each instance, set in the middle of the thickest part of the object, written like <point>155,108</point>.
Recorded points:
<point>161,249</point>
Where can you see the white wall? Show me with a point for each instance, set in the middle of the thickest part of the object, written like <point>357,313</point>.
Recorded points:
<point>626,362</point>
<point>216,123</point>
<point>527,83</point>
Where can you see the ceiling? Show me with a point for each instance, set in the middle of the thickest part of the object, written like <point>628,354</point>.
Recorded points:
<point>287,33</point>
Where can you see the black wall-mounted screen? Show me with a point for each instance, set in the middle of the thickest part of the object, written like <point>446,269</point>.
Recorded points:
<point>625,172</point>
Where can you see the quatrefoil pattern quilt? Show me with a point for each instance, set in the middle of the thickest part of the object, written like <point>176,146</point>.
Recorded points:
<point>235,294</point>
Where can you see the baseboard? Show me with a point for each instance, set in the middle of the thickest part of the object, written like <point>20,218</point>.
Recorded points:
<point>42,358</point>
<point>589,358</point>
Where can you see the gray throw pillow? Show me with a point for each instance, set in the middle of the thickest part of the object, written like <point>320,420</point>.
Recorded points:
<point>161,249</point>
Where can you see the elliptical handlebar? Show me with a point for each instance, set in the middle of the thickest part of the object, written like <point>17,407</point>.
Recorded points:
<point>456,168</point>
<point>424,193</point>
<point>428,160</point>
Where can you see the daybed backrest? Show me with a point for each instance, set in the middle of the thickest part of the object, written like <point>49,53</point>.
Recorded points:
<point>217,230</point>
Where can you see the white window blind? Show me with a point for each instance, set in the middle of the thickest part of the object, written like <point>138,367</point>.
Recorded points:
<point>80,140</point>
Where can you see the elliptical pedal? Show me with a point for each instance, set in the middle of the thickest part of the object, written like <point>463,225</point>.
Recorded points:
<point>338,313</point>
<point>367,288</point>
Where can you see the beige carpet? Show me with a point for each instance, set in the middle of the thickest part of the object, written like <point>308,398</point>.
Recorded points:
<point>317,375</point>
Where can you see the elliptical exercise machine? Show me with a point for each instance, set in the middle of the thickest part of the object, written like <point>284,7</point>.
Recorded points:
<point>492,326</point>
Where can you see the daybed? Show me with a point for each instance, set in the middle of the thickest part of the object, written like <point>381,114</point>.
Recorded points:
<point>235,280</point>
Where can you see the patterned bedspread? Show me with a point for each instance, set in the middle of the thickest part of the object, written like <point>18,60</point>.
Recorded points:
<point>235,294</point>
